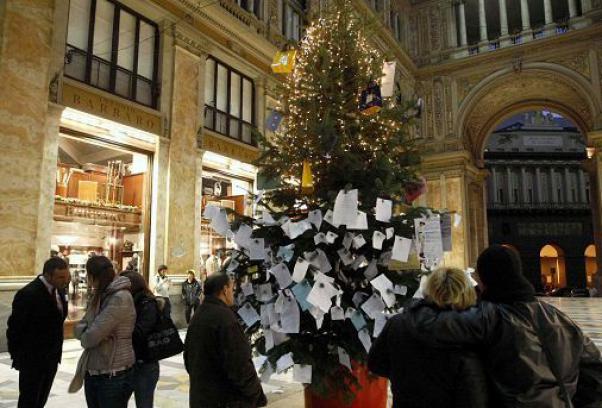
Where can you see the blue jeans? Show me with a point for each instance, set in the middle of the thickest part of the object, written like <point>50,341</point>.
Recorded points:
<point>146,376</point>
<point>106,391</point>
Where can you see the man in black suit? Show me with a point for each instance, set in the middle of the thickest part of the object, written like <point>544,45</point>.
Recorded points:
<point>35,332</point>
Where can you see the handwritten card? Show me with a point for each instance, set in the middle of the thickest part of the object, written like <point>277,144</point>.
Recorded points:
<point>377,240</point>
<point>401,249</point>
<point>345,207</point>
<point>300,270</point>
<point>383,210</point>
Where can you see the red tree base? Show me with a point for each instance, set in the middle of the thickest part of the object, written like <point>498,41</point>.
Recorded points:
<point>372,394</point>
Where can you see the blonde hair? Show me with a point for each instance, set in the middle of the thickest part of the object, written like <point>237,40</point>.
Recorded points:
<point>450,287</point>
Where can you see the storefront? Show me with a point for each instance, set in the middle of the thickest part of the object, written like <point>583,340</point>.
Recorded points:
<point>103,192</point>
<point>227,183</point>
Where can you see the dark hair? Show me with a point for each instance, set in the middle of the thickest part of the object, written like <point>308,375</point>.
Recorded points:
<point>215,283</point>
<point>190,271</point>
<point>53,264</point>
<point>100,268</point>
<point>162,268</point>
<point>138,283</point>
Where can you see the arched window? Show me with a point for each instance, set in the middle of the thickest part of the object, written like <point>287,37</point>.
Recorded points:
<point>553,270</point>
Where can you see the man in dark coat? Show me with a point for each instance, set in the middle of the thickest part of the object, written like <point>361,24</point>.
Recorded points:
<point>35,332</point>
<point>217,354</point>
<point>191,294</point>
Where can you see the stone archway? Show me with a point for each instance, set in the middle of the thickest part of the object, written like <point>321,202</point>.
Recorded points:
<point>531,87</point>
<point>523,87</point>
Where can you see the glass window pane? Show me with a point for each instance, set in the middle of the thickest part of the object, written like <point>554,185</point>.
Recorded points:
<point>75,67</point>
<point>234,128</point>
<point>127,36</point>
<point>144,92</point>
<point>209,82</point>
<point>247,101</point>
<point>296,27</point>
<point>103,29</point>
<point>79,22</point>
<point>289,21</point>
<point>222,88</point>
<point>235,94</point>
<point>246,134</point>
<point>146,50</point>
<point>99,75</point>
<point>123,80</point>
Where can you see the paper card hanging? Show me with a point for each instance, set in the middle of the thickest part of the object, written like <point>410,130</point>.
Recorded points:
<point>284,62</point>
<point>387,88</point>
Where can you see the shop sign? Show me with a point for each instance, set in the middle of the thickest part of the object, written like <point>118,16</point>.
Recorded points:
<point>233,150</point>
<point>97,214</point>
<point>92,103</point>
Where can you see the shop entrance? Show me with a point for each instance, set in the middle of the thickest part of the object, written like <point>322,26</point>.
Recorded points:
<point>101,202</point>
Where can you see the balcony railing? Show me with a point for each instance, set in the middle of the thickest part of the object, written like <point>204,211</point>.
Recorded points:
<point>537,206</point>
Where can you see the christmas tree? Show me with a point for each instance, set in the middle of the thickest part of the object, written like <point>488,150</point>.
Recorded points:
<point>329,260</point>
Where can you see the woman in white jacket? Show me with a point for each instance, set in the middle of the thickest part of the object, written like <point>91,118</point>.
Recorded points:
<point>106,335</point>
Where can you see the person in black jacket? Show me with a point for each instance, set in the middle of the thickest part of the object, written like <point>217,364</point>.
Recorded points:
<point>146,371</point>
<point>431,377</point>
<point>191,294</point>
<point>535,355</point>
<point>35,332</point>
<point>218,356</point>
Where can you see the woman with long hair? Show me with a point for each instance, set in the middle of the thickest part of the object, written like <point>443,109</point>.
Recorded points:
<point>146,370</point>
<point>106,335</point>
<point>431,376</point>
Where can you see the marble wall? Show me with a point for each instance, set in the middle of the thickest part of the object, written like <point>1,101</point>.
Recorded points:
<point>24,126</point>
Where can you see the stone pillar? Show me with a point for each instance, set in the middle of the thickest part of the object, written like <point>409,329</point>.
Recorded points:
<point>463,36</point>
<point>586,6</point>
<point>553,192</point>
<point>547,9</point>
<point>494,185</point>
<point>452,27</point>
<point>503,19</point>
<point>537,185</point>
<point>572,9</point>
<point>567,185</point>
<point>460,189</point>
<point>28,130</point>
<point>510,198</point>
<point>523,183</point>
<point>581,191</point>
<point>593,167</point>
<point>184,211</point>
<point>525,18</point>
<point>482,22</point>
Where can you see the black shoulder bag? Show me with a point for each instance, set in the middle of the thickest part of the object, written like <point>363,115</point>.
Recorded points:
<point>164,340</point>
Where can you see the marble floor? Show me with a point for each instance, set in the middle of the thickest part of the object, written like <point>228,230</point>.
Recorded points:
<point>282,391</point>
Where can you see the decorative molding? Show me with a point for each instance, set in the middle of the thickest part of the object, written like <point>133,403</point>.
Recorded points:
<point>197,47</point>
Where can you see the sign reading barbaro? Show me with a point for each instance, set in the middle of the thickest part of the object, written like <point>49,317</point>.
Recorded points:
<point>220,145</point>
<point>90,102</point>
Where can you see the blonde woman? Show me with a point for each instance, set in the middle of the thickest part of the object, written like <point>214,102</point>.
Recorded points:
<point>424,374</point>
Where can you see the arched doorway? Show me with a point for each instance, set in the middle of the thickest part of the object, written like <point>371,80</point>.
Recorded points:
<point>552,266</point>
<point>590,264</point>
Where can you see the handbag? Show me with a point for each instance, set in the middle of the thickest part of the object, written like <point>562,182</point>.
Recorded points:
<point>163,341</point>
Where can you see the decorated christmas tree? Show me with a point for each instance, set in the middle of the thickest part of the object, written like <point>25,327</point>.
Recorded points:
<point>337,248</point>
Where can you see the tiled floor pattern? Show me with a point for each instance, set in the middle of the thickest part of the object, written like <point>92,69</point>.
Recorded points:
<point>282,392</point>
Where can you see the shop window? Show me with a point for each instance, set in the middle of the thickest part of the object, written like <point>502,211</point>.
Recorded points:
<point>552,267</point>
<point>113,48</point>
<point>229,102</point>
<point>225,191</point>
<point>292,19</point>
<point>100,207</point>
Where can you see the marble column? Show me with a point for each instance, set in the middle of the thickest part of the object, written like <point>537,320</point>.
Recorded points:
<point>462,15</point>
<point>524,14</point>
<point>523,184</point>
<point>553,188</point>
<point>28,134</point>
<point>184,213</point>
<point>452,27</point>
<point>572,9</point>
<point>482,21</point>
<point>509,196</point>
<point>547,10</point>
<point>494,185</point>
<point>503,18</point>
<point>567,185</point>
<point>593,167</point>
<point>586,6</point>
